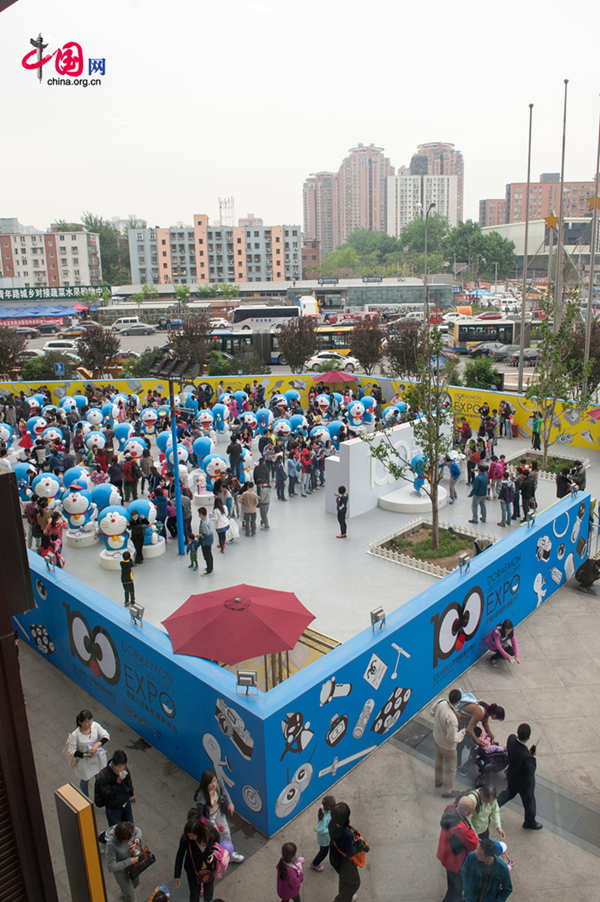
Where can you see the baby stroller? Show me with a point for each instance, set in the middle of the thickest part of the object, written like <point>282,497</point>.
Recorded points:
<point>489,760</point>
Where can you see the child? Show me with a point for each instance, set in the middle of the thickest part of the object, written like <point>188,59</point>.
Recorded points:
<point>341,501</point>
<point>127,578</point>
<point>328,805</point>
<point>289,873</point>
<point>192,550</point>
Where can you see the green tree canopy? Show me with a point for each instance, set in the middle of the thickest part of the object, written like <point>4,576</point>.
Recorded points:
<point>114,249</point>
<point>298,341</point>
<point>191,342</point>
<point>12,343</point>
<point>98,348</point>
<point>365,343</point>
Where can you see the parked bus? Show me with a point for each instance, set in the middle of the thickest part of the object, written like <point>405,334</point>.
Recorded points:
<point>508,332</point>
<point>264,344</point>
<point>262,317</point>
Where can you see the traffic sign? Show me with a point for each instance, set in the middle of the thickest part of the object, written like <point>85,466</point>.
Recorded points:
<point>59,370</point>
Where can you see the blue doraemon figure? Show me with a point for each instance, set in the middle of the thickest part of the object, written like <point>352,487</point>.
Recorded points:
<point>240,396</point>
<point>36,402</point>
<point>298,424</point>
<point>106,495</point>
<point>146,509</point>
<point>182,455</point>
<point>282,429</point>
<point>109,413</point>
<point>248,419</point>
<point>67,404</point>
<point>113,528</point>
<point>264,419</point>
<point>417,465</point>
<point>35,426</point>
<point>334,431</point>
<point>220,414</point>
<point>149,418</point>
<point>292,396</point>
<point>215,467</point>
<point>52,434</point>
<point>123,432</point>
<point>47,485</point>
<point>79,509</point>
<point>6,434</point>
<point>23,471</point>
<point>79,476</point>
<point>202,447</point>
<point>163,440</point>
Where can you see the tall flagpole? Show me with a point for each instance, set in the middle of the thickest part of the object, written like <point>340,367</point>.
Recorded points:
<point>525,248</point>
<point>593,242</point>
<point>558,284</point>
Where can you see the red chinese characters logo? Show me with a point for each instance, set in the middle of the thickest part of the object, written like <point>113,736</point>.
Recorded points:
<point>69,58</point>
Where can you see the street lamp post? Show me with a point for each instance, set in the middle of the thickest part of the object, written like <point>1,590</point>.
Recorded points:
<point>425,273</point>
<point>590,297</point>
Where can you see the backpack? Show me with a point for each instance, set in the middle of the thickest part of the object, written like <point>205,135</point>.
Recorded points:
<point>362,847</point>
<point>221,857</point>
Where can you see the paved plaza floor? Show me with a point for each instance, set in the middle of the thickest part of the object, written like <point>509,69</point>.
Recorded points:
<point>556,688</point>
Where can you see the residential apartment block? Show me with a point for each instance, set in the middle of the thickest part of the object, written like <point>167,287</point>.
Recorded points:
<point>492,211</point>
<point>543,198</point>
<point>53,258</point>
<point>445,159</point>
<point>205,253</point>
<point>409,196</point>
<point>320,210</point>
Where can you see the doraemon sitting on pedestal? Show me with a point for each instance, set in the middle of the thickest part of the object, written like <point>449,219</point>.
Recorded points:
<point>215,467</point>
<point>154,545</point>
<point>23,471</point>
<point>80,511</point>
<point>356,414</point>
<point>123,432</point>
<point>113,529</point>
<point>47,485</point>
<point>220,416</point>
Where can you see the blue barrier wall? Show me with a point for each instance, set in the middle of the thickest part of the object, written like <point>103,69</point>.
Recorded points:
<point>281,750</point>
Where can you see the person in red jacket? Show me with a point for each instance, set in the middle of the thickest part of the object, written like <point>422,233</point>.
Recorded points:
<point>457,839</point>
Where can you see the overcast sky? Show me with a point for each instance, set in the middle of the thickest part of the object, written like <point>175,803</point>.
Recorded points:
<point>246,97</point>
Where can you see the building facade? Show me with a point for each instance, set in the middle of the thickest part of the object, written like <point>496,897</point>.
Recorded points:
<point>320,210</point>
<point>361,189</point>
<point>408,196</point>
<point>543,198</point>
<point>492,211</point>
<point>203,253</point>
<point>53,259</point>
<point>445,159</point>
<point>311,258</point>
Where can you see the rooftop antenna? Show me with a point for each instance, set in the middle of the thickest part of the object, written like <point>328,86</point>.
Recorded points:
<point>226,211</point>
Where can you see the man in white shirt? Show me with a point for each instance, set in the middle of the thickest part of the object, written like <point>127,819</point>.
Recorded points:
<point>446,736</point>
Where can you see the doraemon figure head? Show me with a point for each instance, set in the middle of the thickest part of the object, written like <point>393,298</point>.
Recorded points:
<point>249,420</point>
<point>334,430</point>
<point>149,418</point>
<point>6,434</point>
<point>356,413</point>
<point>35,426</point>
<point>321,433</point>
<point>264,418</point>
<point>246,466</point>
<point>94,416</point>
<point>220,416</point>
<point>81,401</point>
<point>79,509</point>
<point>163,440</point>
<point>106,495</point>
<point>113,528</point>
<point>368,403</point>
<point>123,432</point>
<point>135,447</point>
<point>86,427</point>
<point>279,402</point>
<point>204,419</point>
<point>78,475</point>
<point>215,467</point>
<point>67,404</point>
<point>49,410</point>
<point>36,402</point>
<point>240,396</point>
<point>391,415</point>
<point>146,509</point>
<point>23,471</point>
<point>282,429</point>
<point>323,403</point>
<point>52,434</point>
<point>202,447</point>
<point>109,413</point>
<point>46,485</point>
<point>95,440</point>
<point>298,422</point>
<point>182,455</point>
<point>292,395</point>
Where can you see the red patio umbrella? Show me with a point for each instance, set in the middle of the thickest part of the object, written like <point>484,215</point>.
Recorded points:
<point>333,376</point>
<point>237,623</point>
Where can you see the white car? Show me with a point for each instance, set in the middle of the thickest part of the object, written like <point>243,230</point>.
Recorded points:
<point>452,316</point>
<point>338,361</point>
<point>219,323</point>
<point>61,344</point>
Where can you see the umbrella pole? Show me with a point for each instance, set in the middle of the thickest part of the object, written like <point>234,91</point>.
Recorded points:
<point>266,673</point>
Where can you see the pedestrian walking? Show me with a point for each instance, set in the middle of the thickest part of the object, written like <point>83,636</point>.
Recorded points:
<point>195,857</point>
<point>454,473</point>
<point>249,502</point>
<point>215,806</point>
<point>137,526</point>
<point>487,811</point>
<point>506,495</point>
<point>192,549</point>
<point>264,502</point>
<point>478,494</point>
<point>290,873</point>
<point>114,790</point>
<point>280,477</point>
<point>342,848</point>
<point>485,877</point>
<point>341,504</point>
<point>323,821</point>
<point>206,537</point>
<point>293,472</point>
<point>127,578</point>
<point>123,848</point>
<point>85,748</point>
<point>186,512</point>
<point>563,483</point>
<point>446,736</point>
<point>221,523</point>
<point>536,428</point>
<point>457,839</point>
<point>520,775</point>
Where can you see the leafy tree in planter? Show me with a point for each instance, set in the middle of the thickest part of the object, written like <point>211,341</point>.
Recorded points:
<point>365,343</point>
<point>433,432</point>
<point>42,367</point>
<point>12,344</point>
<point>480,373</point>
<point>297,341</point>
<point>555,378</point>
<point>191,342</point>
<point>98,349</point>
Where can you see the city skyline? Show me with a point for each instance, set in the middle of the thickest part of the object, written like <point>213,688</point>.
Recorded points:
<point>154,139</point>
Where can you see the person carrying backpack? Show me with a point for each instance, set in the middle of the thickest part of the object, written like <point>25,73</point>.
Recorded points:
<point>346,852</point>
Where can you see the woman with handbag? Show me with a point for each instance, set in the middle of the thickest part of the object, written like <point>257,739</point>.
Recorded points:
<point>85,748</point>
<point>123,850</point>
<point>215,805</point>
<point>194,855</point>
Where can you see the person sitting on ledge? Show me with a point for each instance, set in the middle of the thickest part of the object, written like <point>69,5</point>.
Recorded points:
<point>503,643</point>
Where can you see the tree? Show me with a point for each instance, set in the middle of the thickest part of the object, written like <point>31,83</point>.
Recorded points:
<point>142,366</point>
<point>298,341</point>
<point>42,367</point>
<point>405,347</point>
<point>98,348</point>
<point>12,344</point>
<point>497,249</point>
<point>480,373</point>
<point>191,342</point>
<point>554,379</point>
<point>182,293</point>
<point>432,431</point>
<point>365,343</point>
<point>114,249</point>
<point>468,244</point>
<point>576,357</point>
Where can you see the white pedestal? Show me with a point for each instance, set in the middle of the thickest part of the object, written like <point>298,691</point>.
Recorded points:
<point>79,539</point>
<point>205,499</point>
<point>406,501</point>
<point>150,551</point>
<point>111,560</point>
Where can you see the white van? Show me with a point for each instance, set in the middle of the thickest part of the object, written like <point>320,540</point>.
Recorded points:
<point>123,322</point>
<point>60,344</point>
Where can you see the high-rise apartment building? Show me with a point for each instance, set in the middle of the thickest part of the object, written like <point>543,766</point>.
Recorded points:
<point>320,210</point>
<point>444,159</point>
<point>51,258</point>
<point>492,211</point>
<point>204,253</point>
<point>409,196</point>
<point>543,198</point>
<point>361,185</point>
